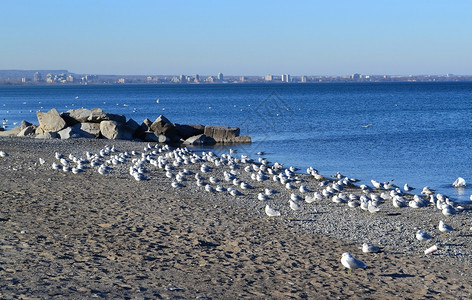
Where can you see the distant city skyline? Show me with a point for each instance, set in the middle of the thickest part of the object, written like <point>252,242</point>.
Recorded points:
<point>238,38</point>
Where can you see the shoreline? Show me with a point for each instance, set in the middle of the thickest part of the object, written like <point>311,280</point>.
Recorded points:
<point>109,235</point>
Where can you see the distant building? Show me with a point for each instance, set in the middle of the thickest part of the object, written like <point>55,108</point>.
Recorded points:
<point>196,78</point>
<point>268,77</point>
<point>122,80</point>
<point>303,79</point>
<point>70,78</point>
<point>356,76</point>
<point>220,77</point>
<point>37,77</point>
<point>286,78</point>
<point>49,78</point>
<point>242,79</point>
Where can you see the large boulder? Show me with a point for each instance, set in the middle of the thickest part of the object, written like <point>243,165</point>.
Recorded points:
<point>25,124</point>
<point>50,121</point>
<point>187,131</point>
<point>27,131</point>
<point>13,132</point>
<point>74,132</point>
<point>115,131</point>
<point>91,128</point>
<point>95,115</point>
<point>146,125</point>
<point>200,139</point>
<point>222,134</point>
<point>163,126</point>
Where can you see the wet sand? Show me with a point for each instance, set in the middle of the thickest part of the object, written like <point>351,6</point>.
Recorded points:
<point>89,235</point>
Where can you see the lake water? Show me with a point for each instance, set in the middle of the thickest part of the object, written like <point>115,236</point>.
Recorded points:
<point>415,133</point>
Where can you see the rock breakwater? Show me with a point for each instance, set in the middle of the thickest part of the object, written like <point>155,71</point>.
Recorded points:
<point>95,123</point>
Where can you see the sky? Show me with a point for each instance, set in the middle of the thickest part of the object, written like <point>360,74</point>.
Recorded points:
<point>238,37</point>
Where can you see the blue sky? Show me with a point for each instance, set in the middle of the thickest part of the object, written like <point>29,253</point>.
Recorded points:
<point>238,37</point>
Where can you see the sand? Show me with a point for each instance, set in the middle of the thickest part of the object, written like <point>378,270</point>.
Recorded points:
<point>89,235</point>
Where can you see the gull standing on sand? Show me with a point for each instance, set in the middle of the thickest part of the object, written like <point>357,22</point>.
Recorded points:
<point>271,212</point>
<point>422,236</point>
<point>444,228</point>
<point>368,248</point>
<point>448,210</point>
<point>294,206</point>
<point>350,262</point>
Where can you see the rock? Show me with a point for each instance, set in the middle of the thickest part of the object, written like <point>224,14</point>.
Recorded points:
<point>39,130</point>
<point>25,124</point>
<point>91,128</point>
<point>115,131</point>
<point>222,134</point>
<point>200,139</point>
<point>48,135</point>
<point>74,132</point>
<point>163,126</point>
<point>69,120</point>
<point>13,132</point>
<point>187,131</point>
<point>136,128</point>
<point>244,139</point>
<point>50,121</point>
<point>95,115</point>
<point>146,125</point>
<point>150,137</point>
<point>2,129</point>
<point>28,131</point>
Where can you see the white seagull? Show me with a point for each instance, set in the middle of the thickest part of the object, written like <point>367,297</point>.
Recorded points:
<point>271,212</point>
<point>350,262</point>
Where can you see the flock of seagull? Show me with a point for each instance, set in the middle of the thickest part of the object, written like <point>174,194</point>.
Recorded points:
<point>225,173</point>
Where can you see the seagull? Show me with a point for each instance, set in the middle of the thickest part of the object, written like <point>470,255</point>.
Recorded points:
<point>220,188</point>
<point>422,236</point>
<point>269,192</point>
<point>444,228</point>
<point>271,212</point>
<point>209,188</point>
<point>295,197</point>
<point>310,199</point>
<point>350,262</point>
<point>427,191</point>
<point>294,206</point>
<point>245,186</point>
<point>176,184</point>
<point>3,154</point>
<point>303,189</point>
<point>368,248</point>
<point>372,208</point>
<point>376,184</point>
<point>408,188</point>
<point>234,192</point>
<point>262,197</point>
<point>289,186</point>
<point>448,210</point>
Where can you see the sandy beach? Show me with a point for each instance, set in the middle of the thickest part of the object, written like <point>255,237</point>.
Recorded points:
<point>89,235</point>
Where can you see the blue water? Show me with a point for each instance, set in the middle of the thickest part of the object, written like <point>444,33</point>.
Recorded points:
<point>415,133</point>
